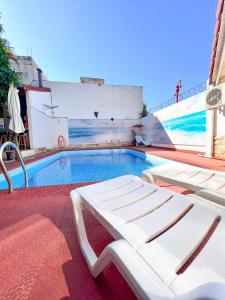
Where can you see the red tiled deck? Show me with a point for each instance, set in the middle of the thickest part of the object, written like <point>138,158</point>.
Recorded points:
<point>186,157</point>
<point>39,252</point>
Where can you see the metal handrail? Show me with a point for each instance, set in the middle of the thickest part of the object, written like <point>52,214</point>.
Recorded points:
<point>4,170</point>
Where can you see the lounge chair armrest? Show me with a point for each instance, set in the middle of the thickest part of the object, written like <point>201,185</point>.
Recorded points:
<point>145,283</point>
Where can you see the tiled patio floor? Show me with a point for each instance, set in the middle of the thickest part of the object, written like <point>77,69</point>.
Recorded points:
<point>39,252</point>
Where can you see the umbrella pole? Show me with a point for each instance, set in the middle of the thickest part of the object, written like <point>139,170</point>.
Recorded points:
<point>13,137</point>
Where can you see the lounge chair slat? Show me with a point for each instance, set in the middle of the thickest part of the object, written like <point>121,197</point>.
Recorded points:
<point>109,185</point>
<point>119,192</point>
<point>148,204</point>
<point>215,182</point>
<point>142,230</point>
<point>191,178</point>
<point>201,177</point>
<point>167,252</point>
<point>128,198</point>
<point>188,173</point>
<point>180,171</point>
<point>208,266</point>
<point>168,167</point>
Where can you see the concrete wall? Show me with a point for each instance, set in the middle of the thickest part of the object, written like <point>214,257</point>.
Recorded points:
<point>80,100</point>
<point>219,133</point>
<point>220,121</point>
<point>44,130</point>
<point>27,67</point>
<point>39,99</point>
<point>180,126</point>
<point>216,127</point>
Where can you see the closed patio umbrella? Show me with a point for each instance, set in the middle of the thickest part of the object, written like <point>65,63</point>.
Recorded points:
<point>15,123</point>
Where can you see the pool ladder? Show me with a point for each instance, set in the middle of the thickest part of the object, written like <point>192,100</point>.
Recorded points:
<point>3,167</point>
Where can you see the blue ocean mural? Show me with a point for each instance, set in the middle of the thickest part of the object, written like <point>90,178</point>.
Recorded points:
<point>185,130</point>
<point>193,124</point>
<point>100,131</point>
<point>91,135</point>
<point>189,129</point>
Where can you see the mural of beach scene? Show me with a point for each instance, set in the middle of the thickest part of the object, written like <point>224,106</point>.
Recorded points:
<point>185,130</point>
<point>180,124</point>
<point>101,131</point>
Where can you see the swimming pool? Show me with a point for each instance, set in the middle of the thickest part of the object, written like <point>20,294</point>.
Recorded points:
<point>83,166</point>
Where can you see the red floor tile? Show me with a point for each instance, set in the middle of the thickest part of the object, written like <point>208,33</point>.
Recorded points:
<point>39,252</point>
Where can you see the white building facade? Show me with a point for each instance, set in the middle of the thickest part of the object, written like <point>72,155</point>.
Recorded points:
<point>83,100</point>
<point>97,113</point>
<point>83,113</point>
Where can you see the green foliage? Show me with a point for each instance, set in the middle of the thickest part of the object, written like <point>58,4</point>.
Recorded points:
<point>7,75</point>
<point>144,112</point>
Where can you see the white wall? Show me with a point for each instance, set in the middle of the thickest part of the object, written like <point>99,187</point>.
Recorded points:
<point>217,148</point>
<point>188,106</point>
<point>220,121</point>
<point>216,128</point>
<point>80,100</point>
<point>180,126</point>
<point>38,99</point>
<point>43,129</point>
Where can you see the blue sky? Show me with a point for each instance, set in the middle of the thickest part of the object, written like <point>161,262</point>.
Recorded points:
<point>133,42</point>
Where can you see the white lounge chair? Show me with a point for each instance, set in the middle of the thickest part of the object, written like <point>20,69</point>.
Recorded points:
<point>141,142</point>
<point>167,245</point>
<point>191,178</point>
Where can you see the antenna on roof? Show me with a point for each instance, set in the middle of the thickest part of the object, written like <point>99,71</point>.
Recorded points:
<point>177,91</point>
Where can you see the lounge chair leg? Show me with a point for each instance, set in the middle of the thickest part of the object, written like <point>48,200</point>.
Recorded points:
<point>95,264</point>
<point>150,178</point>
<point>86,248</point>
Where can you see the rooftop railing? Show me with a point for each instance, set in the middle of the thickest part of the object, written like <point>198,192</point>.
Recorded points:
<point>198,88</point>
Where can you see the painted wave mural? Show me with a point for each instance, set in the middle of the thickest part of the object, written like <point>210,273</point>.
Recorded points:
<point>101,131</point>
<point>189,130</point>
<point>193,123</point>
<point>185,130</point>
<point>99,135</point>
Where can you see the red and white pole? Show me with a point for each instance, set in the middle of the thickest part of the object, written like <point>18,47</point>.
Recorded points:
<point>177,91</point>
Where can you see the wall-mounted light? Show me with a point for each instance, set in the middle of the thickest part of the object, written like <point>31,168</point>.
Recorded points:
<point>50,107</point>
<point>112,119</point>
<point>96,114</point>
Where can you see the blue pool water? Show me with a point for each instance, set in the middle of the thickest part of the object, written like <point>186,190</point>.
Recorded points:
<point>83,166</point>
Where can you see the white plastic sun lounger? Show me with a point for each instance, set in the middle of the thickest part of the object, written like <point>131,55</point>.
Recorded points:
<point>140,141</point>
<point>167,245</point>
<point>191,178</point>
